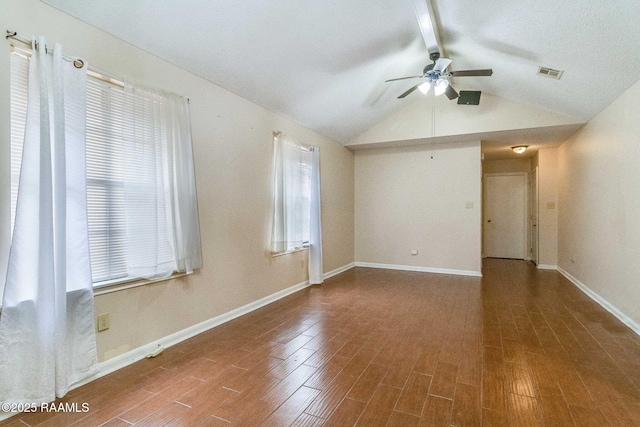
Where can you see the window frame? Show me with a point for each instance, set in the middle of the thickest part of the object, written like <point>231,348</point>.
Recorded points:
<point>306,165</point>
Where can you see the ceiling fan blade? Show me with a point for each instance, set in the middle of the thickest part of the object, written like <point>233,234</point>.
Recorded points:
<point>409,91</point>
<point>441,64</point>
<point>451,93</point>
<point>472,73</point>
<point>403,78</point>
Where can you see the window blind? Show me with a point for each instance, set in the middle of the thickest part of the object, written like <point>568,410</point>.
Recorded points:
<point>291,215</point>
<point>105,189</point>
<point>19,71</point>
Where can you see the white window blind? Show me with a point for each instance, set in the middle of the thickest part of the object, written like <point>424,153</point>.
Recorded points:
<point>105,189</point>
<point>19,77</point>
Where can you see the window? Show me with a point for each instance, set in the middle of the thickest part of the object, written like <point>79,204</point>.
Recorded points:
<point>105,188</point>
<point>291,217</point>
<point>111,122</point>
<point>105,191</point>
<point>19,64</point>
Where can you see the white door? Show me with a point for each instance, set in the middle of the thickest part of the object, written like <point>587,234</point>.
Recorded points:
<point>534,216</point>
<point>505,215</point>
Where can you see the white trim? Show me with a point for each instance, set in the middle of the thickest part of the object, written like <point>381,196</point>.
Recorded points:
<point>117,285</point>
<point>603,302</point>
<point>535,216</point>
<point>292,251</point>
<point>422,269</point>
<point>547,267</point>
<point>339,270</point>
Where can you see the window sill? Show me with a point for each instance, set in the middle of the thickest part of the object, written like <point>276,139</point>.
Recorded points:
<point>117,285</point>
<point>277,254</point>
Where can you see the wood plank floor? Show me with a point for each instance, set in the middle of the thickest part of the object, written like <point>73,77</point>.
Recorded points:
<point>519,347</point>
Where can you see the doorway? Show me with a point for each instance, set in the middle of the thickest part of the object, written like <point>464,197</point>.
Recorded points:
<point>505,215</point>
<point>534,215</point>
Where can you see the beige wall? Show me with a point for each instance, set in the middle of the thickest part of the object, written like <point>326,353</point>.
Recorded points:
<point>599,204</point>
<point>455,122</point>
<point>233,152</point>
<point>548,207</point>
<point>406,200</point>
<point>507,165</point>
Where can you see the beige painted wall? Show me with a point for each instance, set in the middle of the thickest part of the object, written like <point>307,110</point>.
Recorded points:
<point>599,208</point>
<point>406,200</point>
<point>548,207</point>
<point>507,165</point>
<point>459,122</point>
<point>233,152</point>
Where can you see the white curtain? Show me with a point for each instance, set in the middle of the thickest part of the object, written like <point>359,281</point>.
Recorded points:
<point>47,337</point>
<point>315,224</point>
<point>290,228</point>
<point>163,231</point>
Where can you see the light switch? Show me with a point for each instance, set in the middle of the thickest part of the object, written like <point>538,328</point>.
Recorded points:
<point>103,322</point>
<point>551,205</point>
<point>414,252</point>
<point>469,205</point>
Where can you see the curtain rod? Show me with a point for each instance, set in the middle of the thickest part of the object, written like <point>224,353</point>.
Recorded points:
<point>93,72</point>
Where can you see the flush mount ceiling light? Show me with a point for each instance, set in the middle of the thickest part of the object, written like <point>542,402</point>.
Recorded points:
<point>519,149</point>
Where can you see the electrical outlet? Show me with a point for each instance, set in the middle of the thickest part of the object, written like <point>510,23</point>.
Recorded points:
<point>103,322</point>
<point>468,205</point>
<point>414,252</point>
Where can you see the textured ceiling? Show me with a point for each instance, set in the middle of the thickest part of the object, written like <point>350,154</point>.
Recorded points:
<point>323,63</point>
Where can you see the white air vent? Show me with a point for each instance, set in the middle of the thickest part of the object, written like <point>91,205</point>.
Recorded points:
<point>550,72</point>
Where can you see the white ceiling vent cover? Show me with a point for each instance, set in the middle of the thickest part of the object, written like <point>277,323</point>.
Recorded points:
<point>550,72</point>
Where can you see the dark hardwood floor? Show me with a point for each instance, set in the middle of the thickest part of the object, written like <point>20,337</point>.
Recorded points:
<point>519,347</point>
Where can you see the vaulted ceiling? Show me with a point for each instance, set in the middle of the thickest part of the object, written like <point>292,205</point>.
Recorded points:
<point>323,63</point>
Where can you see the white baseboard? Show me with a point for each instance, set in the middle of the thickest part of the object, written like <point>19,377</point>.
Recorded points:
<point>339,270</point>
<point>547,267</point>
<point>422,269</point>
<point>603,302</point>
<point>120,361</point>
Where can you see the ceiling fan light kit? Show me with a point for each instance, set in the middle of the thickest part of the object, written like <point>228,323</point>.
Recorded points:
<point>441,86</point>
<point>425,87</point>
<point>435,73</point>
<point>438,77</point>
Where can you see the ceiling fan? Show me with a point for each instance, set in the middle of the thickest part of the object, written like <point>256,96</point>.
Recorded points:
<point>437,78</point>
<point>435,74</point>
